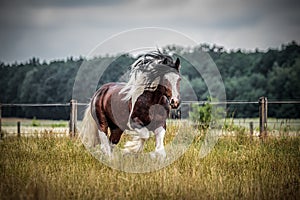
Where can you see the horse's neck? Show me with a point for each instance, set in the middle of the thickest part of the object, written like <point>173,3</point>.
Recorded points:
<point>156,95</point>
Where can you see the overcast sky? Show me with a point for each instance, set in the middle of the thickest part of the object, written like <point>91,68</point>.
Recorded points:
<point>56,29</point>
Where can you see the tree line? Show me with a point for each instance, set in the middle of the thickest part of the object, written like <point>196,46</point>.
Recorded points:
<point>247,75</point>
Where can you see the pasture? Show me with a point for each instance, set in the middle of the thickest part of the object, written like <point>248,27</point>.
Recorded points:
<point>50,167</point>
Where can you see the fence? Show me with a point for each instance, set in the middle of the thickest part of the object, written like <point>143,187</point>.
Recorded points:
<point>73,104</point>
<point>73,114</point>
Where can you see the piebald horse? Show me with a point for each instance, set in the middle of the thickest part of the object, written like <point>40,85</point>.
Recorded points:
<point>141,105</point>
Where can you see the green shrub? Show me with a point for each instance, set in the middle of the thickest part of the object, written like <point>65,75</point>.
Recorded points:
<point>206,115</point>
<point>35,122</point>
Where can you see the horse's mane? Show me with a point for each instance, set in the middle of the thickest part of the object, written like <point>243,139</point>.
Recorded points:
<point>146,73</point>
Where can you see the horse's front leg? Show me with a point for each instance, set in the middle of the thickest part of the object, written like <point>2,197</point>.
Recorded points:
<point>137,143</point>
<point>159,143</point>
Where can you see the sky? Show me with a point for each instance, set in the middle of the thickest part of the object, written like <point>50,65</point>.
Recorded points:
<point>57,29</point>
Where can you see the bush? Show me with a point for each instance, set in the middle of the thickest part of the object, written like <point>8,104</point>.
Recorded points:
<point>206,115</point>
<point>35,122</point>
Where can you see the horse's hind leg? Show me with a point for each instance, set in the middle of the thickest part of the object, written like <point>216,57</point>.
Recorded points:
<point>115,136</point>
<point>102,132</point>
<point>102,124</point>
<point>105,146</point>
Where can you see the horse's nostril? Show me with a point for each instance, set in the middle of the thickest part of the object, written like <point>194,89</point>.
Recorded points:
<point>172,101</point>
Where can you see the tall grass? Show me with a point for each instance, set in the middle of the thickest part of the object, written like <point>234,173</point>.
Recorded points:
<point>61,168</point>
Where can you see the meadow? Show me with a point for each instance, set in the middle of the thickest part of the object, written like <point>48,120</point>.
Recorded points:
<point>50,167</point>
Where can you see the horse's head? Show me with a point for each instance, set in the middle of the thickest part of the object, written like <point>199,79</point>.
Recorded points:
<point>171,83</point>
<point>154,71</point>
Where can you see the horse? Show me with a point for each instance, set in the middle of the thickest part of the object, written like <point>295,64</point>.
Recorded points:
<point>141,105</point>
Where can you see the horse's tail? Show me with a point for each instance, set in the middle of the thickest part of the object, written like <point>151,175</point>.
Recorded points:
<point>89,130</point>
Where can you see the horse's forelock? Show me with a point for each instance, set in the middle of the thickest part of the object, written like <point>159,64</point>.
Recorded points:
<point>155,57</point>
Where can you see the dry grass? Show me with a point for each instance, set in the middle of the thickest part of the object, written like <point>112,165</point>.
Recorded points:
<point>61,168</point>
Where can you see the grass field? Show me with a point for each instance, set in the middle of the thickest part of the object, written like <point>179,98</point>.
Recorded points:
<point>49,167</point>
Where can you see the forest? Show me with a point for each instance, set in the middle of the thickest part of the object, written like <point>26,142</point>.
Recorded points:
<point>247,75</point>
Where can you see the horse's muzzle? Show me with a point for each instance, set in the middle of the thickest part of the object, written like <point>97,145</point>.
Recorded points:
<point>175,102</point>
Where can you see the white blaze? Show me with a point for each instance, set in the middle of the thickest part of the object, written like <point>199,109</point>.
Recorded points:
<point>173,78</point>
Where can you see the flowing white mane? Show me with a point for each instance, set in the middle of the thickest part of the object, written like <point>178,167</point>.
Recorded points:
<point>146,73</point>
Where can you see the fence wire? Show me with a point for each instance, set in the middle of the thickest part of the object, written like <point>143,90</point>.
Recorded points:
<point>183,102</point>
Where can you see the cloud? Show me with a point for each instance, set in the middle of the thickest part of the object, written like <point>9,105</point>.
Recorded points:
<point>55,29</point>
<point>57,3</point>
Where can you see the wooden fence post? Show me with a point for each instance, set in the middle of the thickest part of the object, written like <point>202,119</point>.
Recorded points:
<point>251,129</point>
<point>263,116</point>
<point>1,135</point>
<point>73,118</point>
<point>19,128</point>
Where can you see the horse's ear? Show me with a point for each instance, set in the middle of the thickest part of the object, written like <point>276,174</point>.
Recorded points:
<point>165,61</point>
<point>177,63</point>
